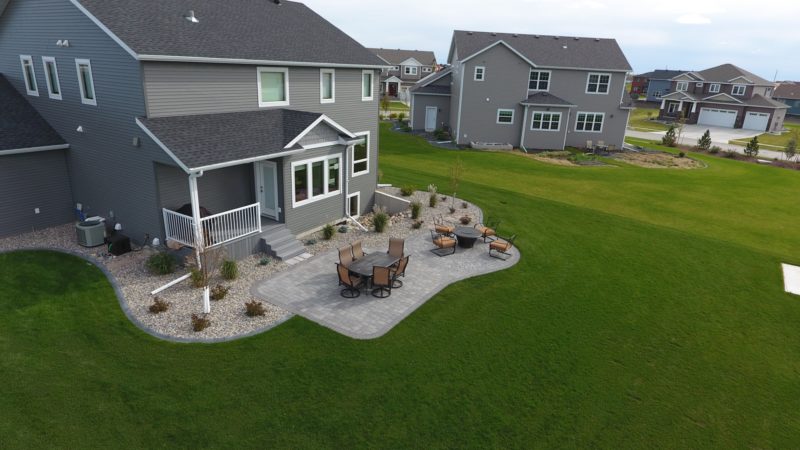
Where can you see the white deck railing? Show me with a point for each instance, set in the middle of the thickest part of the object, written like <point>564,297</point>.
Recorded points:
<point>217,229</point>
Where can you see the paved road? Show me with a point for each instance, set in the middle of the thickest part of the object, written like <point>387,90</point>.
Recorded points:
<point>657,135</point>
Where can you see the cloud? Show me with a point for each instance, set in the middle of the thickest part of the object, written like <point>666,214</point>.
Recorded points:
<point>693,19</point>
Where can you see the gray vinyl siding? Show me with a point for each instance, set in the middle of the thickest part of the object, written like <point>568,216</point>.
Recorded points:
<point>422,101</point>
<point>653,86</point>
<point>183,88</point>
<point>321,134</point>
<point>546,140</point>
<point>107,171</point>
<point>219,190</point>
<point>34,180</point>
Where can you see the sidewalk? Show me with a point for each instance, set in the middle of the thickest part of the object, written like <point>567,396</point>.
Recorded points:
<point>657,135</point>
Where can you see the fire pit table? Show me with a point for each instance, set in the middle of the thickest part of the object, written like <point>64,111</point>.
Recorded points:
<point>467,236</point>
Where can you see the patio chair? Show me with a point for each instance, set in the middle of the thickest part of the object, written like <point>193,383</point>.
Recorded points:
<point>358,252</point>
<point>352,283</point>
<point>442,227</point>
<point>443,243</point>
<point>589,145</point>
<point>399,271</point>
<point>502,246</point>
<point>346,256</point>
<point>396,247</point>
<point>488,230</point>
<point>381,282</point>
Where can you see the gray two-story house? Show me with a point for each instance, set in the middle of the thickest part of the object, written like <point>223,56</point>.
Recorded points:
<point>404,68</point>
<point>724,96</point>
<point>529,91</point>
<point>197,122</point>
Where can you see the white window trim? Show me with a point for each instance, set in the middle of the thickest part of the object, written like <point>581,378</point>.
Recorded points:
<point>427,69</point>
<point>29,59</point>
<point>358,208</point>
<point>533,113</point>
<point>483,73</point>
<point>371,85</point>
<point>678,85</point>
<point>744,89</point>
<point>309,176</point>
<point>407,71</point>
<point>50,59</point>
<point>84,100</point>
<point>353,161</point>
<point>505,110</point>
<point>549,79</point>
<point>599,74</point>
<point>714,88</point>
<point>602,122</point>
<point>285,71</point>
<point>322,73</point>
<point>657,94</point>
<point>672,108</point>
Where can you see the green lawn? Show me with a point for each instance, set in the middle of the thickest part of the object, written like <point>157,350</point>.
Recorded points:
<point>770,140</point>
<point>398,106</point>
<point>639,119</point>
<point>647,311</point>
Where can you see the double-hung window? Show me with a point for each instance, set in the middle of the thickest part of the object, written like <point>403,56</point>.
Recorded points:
<point>546,121</point>
<point>480,73</point>
<point>714,88</point>
<point>539,80</point>
<point>86,81</point>
<point>315,179</point>
<point>589,122</point>
<point>410,70</point>
<point>682,86</point>
<point>598,83</point>
<point>273,86</point>
<point>738,89</point>
<point>51,76</point>
<point>327,85</point>
<point>29,73</point>
<point>366,85</point>
<point>505,116</point>
<point>360,157</point>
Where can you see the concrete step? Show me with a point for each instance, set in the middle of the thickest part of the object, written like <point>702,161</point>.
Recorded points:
<point>280,243</point>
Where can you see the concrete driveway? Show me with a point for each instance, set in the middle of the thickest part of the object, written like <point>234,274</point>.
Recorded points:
<point>691,133</point>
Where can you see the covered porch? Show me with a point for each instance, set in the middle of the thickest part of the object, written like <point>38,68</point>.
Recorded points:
<point>679,105</point>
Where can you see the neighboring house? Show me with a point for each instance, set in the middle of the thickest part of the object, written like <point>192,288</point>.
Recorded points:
<point>154,107</point>
<point>529,91</point>
<point>653,85</point>
<point>639,84</point>
<point>789,93</point>
<point>404,69</point>
<point>724,96</point>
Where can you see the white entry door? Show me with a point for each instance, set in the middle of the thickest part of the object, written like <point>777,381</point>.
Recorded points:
<point>756,121</point>
<point>717,117</point>
<point>267,188</point>
<point>430,117</point>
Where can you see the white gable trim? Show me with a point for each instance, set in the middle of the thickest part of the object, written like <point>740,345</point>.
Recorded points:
<point>105,29</point>
<point>742,77</point>
<point>17,151</point>
<point>495,44</point>
<point>433,77</point>
<point>322,118</point>
<point>683,95</point>
<point>722,94</point>
<point>411,62</point>
<point>392,79</point>
<point>383,59</point>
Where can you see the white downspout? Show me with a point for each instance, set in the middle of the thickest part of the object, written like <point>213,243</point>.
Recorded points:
<point>522,135</point>
<point>198,235</point>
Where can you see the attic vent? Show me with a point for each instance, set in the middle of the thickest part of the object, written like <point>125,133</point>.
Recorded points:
<point>190,17</point>
<point>597,39</point>
<point>277,2</point>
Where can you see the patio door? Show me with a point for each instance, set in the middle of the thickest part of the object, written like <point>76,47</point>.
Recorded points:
<point>267,188</point>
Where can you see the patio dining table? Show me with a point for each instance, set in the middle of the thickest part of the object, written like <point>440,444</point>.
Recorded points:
<point>363,266</point>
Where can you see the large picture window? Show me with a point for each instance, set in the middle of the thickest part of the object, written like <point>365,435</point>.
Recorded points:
<point>598,83</point>
<point>29,73</point>
<point>273,86</point>
<point>51,76</point>
<point>589,122</point>
<point>315,179</point>
<point>86,81</point>
<point>366,85</point>
<point>360,157</point>
<point>546,121</point>
<point>539,80</point>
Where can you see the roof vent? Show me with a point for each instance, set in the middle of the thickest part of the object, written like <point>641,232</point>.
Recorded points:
<point>577,38</point>
<point>277,2</point>
<point>469,33</point>
<point>515,35</point>
<point>190,17</point>
<point>536,36</point>
<point>555,37</point>
<point>494,34</point>
<point>597,39</point>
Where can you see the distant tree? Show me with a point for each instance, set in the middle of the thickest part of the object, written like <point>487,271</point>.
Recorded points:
<point>704,143</point>
<point>752,147</point>
<point>670,138</point>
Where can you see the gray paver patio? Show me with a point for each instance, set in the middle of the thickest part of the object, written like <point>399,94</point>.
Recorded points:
<point>310,289</point>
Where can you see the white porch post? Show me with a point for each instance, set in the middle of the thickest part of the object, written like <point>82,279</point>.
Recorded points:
<point>680,105</point>
<point>694,107</point>
<point>663,103</point>
<point>198,234</point>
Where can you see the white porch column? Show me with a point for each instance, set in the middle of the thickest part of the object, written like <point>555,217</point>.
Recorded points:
<point>694,107</point>
<point>680,105</point>
<point>663,103</point>
<point>198,234</point>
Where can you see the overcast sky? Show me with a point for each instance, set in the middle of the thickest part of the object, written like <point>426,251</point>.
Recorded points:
<point>760,36</point>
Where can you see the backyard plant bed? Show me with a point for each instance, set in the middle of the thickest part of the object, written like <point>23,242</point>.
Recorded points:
<point>657,160</point>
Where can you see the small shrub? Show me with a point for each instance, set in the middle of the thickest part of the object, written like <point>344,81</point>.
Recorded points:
<point>254,308</point>
<point>393,115</point>
<point>265,261</point>
<point>791,148</point>
<point>328,231</point>
<point>407,190</point>
<point>406,128</point>
<point>730,154</point>
<point>681,154</point>
<point>452,210</point>
<point>197,277</point>
<point>416,208</point>
<point>465,220</point>
<point>714,149</point>
<point>219,292</point>
<point>311,242</point>
<point>464,205</point>
<point>200,323</point>
<point>343,229</point>
<point>752,147</point>
<point>158,306</point>
<point>670,139</point>
<point>433,200</point>
<point>379,221</point>
<point>229,270</point>
<point>161,263</point>
<point>704,143</point>
<point>416,225</point>
<point>401,116</point>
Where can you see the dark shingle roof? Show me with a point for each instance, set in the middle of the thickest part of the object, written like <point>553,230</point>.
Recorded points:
<point>238,29</point>
<point>662,74</point>
<point>545,98</point>
<point>549,51</point>
<point>396,56</point>
<point>21,126</point>
<point>202,140</point>
<point>787,90</point>
<point>433,89</point>
<point>761,101</point>
<point>727,72</point>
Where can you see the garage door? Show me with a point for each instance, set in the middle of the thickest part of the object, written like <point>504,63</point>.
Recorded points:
<point>717,117</point>
<point>756,121</point>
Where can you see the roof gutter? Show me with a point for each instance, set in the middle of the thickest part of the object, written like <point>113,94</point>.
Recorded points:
<point>265,62</point>
<point>18,151</point>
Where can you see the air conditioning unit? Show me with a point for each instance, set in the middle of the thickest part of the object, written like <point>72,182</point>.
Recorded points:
<point>91,233</point>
